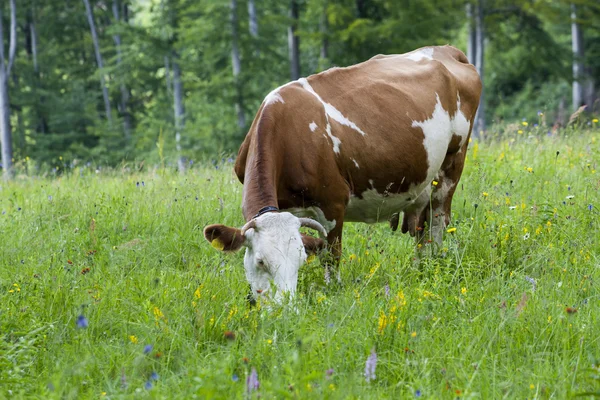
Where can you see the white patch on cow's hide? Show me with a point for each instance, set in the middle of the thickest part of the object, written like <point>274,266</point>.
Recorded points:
<point>315,213</point>
<point>312,126</point>
<point>460,124</point>
<point>276,242</point>
<point>420,54</point>
<point>274,96</point>
<point>355,163</point>
<point>334,139</point>
<point>373,207</point>
<point>330,110</point>
<point>438,131</point>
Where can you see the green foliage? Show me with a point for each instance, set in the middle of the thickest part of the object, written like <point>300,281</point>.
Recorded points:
<point>57,109</point>
<point>511,311</point>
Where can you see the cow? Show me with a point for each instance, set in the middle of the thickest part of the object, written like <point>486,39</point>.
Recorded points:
<point>361,144</point>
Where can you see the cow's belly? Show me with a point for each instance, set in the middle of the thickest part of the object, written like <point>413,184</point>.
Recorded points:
<point>372,206</point>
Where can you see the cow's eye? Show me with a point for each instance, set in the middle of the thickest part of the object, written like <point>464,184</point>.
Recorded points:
<point>261,264</point>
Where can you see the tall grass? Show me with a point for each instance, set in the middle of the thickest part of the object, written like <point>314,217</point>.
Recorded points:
<point>107,288</point>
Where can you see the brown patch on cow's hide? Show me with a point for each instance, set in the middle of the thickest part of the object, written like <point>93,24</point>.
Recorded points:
<point>224,238</point>
<point>313,245</point>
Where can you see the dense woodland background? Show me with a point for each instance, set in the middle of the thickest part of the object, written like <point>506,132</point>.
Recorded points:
<point>180,80</point>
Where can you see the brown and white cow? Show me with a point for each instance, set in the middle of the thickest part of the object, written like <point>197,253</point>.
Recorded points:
<point>361,143</point>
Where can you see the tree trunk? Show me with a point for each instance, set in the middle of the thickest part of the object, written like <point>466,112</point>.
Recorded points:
<point>252,19</point>
<point>5,69</point>
<point>471,35</point>
<point>237,66</point>
<point>90,17</point>
<point>178,110</point>
<point>324,28</point>
<point>294,41</point>
<point>123,109</point>
<point>578,67</point>
<point>479,59</point>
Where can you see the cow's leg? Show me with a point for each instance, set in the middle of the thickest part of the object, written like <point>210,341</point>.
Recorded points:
<point>334,211</point>
<point>441,198</point>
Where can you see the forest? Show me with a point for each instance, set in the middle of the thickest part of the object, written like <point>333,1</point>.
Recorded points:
<point>106,82</point>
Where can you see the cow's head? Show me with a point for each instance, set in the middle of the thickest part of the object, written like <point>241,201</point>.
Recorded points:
<point>275,249</point>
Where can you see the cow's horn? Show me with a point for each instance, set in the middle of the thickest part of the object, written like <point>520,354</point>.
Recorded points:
<point>311,223</point>
<point>249,225</point>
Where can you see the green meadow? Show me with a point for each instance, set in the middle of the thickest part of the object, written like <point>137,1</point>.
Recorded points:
<point>108,289</point>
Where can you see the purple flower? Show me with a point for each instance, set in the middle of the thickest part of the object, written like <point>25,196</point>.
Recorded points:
<point>252,382</point>
<point>137,184</point>
<point>148,385</point>
<point>50,197</point>
<point>590,207</point>
<point>82,322</point>
<point>153,376</point>
<point>329,372</point>
<point>532,281</point>
<point>418,393</point>
<point>147,348</point>
<point>387,290</point>
<point>370,366</point>
<point>235,378</point>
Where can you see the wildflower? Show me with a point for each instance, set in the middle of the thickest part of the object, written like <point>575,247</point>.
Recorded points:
<point>329,372</point>
<point>524,123</point>
<point>570,197</point>
<point>82,322</point>
<point>526,236</point>
<point>520,132</point>
<point>589,207</point>
<point>540,114</point>
<point>595,120</point>
<point>434,183</point>
<point>451,230</point>
<point>463,290</point>
<point>148,385</point>
<point>49,197</point>
<point>417,393</point>
<point>485,194</point>
<point>154,376</point>
<point>532,281</point>
<point>532,386</point>
<point>147,348</point>
<point>413,334</point>
<point>387,290</point>
<point>370,366</point>
<point>133,339</point>
<point>235,378</point>
<point>252,382</point>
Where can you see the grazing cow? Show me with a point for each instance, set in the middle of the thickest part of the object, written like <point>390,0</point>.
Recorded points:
<point>361,143</point>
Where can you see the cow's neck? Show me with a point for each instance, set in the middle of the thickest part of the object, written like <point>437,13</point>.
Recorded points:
<point>260,188</point>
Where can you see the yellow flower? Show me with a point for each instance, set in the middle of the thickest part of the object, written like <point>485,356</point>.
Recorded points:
<point>595,120</point>
<point>133,339</point>
<point>157,313</point>
<point>434,183</point>
<point>311,258</point>
<point>520,132</point>
<point>463,290</point>
<point>485,194</point>
<point>413,334</point>
<point>532,386</point>
<point>269,341</point>
<point>382,323</point>
<point>198,292</point>
<point>525,123</point>
<point>332,387</point>
<point>450,230</point>
<point>352,257</point>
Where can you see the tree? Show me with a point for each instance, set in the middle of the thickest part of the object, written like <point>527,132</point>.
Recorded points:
<point>123,105</point>
<point>294,41</point>
<point>237,66</point>
<point>90,17</point>
<point>5,70</point>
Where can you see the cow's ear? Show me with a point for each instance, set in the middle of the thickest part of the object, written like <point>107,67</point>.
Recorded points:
<point>224,238</point>
<point>313,245</point>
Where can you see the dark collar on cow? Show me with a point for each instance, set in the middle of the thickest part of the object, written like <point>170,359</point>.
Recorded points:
<point>265,210</point>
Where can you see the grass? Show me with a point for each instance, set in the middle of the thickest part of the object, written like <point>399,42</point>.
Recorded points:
<point>510,312</point>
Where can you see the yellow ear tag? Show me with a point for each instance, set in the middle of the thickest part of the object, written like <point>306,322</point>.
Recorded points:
<point>217,244</point>
<point>310,258</point>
